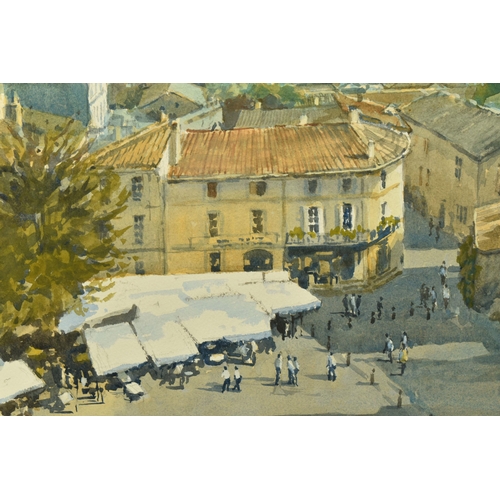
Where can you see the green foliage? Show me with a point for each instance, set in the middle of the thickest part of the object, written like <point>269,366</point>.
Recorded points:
<point>297,232</point>
<point>485,90</point>
<point>56,230</point>
<point>389,221</point>
<point>469,271</point>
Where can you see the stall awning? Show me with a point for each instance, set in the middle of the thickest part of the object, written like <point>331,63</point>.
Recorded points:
<point>230,317</point>
<point>283,297</point>
<point>165,340</point>
<point>16,379</point>
<point>114,348</point>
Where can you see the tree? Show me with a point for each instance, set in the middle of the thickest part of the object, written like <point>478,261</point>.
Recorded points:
<point>469,271</point>
<point>56,230</point>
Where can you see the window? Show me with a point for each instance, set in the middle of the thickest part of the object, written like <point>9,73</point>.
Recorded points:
<point>213,224</point>
<point>462,214</point>
<point>139,267</point>
<point>426,146</point>
<point>258,188</point>
<point>347,216</point>
<point>212,189</point>
<point>215,262</point>
<point>347,184</point>
<point>458,167</point>
<point>428,177</point>
<point>383,208</point>
<point>139,229</point>
<point>137,188</point>
<point>383,178</point>
<point>257,221</point>
<point>313,219</point>
<point>312,185</point>
<point>421,176</point>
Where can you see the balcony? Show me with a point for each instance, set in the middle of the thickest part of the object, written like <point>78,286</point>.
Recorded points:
<point>342,237</point>
<point>250,240</point>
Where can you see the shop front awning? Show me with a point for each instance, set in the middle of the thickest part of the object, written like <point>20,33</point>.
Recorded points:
<point>114,349</point>
<point>229,317</point>
<point>16,379</point>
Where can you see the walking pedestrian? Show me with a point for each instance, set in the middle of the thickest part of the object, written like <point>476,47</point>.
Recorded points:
<point>372,377</point>
<point>412,309</point>
<point>352,304</point>
<point>227,379</point>
<point>380,307</point>
<point>422,295</point>
<point>278,364</point>
<point>312,331</point>
<point>237,379</point>
<point>329,343</point>
<point>393,316</point>
<point>358,305</point>
<point>443,273</point>
<point>403,357</point>
<point>438,229</point>
<point>389,347</point>
<point>400,398</point>
<point>349,322</point>
<point>296,371</point>
<point>431,225</point>
<point>404,339</point>
<point>345,303</point>
<point>434,299</point>
<point>291,370</point>
<point>331,366</point>
<point>428,314</point>
<point>446,296</point>
<point>329,325</point>
<point>348,359</point>
<point>372,319</point>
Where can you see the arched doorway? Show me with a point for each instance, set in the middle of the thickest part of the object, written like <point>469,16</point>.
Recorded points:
<point>257,260</point>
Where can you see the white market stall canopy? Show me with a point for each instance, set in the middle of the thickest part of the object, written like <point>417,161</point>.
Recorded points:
<point>172,314</point>
<point>114,349</point>
<point>16,378</point>
<point>281,297</point>
<point>230,317</point>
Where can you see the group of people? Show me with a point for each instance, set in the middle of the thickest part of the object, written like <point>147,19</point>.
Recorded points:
<point>226,375</point>
<point>293,368</point>
<point>430,294</point>
<point>403,350</point>
<point>352,304</point>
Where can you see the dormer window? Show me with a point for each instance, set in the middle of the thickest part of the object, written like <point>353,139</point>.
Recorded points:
<point>258,188</point>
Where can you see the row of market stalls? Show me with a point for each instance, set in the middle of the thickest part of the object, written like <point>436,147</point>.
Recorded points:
<point>168,319</point>
<point>17,379</point>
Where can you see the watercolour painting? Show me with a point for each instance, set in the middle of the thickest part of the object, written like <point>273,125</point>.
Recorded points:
<point>249,249</point>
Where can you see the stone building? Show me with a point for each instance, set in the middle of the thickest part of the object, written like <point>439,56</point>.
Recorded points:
<point>325,201</point>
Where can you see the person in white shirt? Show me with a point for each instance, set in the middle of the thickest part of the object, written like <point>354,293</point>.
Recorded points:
<point>291,371</point>
<point>278,364</point>
<point>331,365</point>
<point>237,379</point>
<point>446,296</point>
<point>227,379</point>
<point>297,368</point>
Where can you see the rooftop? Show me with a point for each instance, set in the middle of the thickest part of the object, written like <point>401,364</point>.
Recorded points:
<point>471,129</point>
<point>285,151</point>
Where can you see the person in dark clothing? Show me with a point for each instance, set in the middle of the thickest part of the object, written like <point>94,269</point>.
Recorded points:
<point>380,307</point>
<point>428,314</point>
<point>431,225</point>
<point>349,322</point>
<point>372,319</point>
<point>329,325</point>
<point>358,304</point>
<point>348,359</point>
<point>393,316</point>
<point>345,303</point>
<point>412,310</point>
<point>227,379</point>
<point>438,229</point>
<point>237,379</point>
<point>422,295</point>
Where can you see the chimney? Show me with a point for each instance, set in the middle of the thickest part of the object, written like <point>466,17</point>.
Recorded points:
<point>353,114</point>
<point>14,111</point>
<point>371,149</point>
<point>303,119</point>
<point>174,144</point>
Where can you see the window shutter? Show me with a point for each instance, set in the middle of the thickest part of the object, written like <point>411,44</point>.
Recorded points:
<point>354,222</point>
<point>304,219</point>
<point>321,217</point>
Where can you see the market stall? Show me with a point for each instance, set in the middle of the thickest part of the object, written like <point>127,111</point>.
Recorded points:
<point>16,379</point>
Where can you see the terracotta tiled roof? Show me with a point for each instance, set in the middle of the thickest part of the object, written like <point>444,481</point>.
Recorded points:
<point>142,150</point>
<point>284,151</point>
